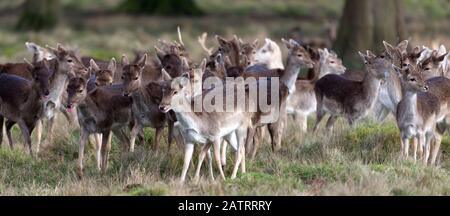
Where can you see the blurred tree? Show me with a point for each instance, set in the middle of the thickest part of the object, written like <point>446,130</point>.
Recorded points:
<point>365,24</point>
<point>161,7</point>
<point>39,14</point>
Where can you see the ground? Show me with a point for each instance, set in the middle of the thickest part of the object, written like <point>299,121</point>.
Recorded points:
<point>350,161</point>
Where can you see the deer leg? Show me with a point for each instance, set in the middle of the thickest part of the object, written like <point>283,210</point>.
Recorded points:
<point>106,146</point>
<point>415,143</point>
<point>134,132</point>
<point>319,116</point>
<point>426,139</point>
<point>436,146</point>
<point>188,150</point>
<point>26,135</point>
<point>217,157</point>
<point>249,140</point>
<point>158,133</point>
<point>39,126</point>
<point>330,123</point>
<point>50,127</point>
<point>98,147</point>
<point>405,147</point>
<point>240,136</point>
<point>210,166</point>
<point>256,142</point>
<point>201,157</point>
<point>302,121</point>
<point>83,139</point>
<point>169,134</point>
<point>9,125</point>
<point>276,133</point>
<point>224,154</point>
<point>1,129</point>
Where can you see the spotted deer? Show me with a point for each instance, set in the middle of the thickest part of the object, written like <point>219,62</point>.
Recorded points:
<point>270,55</point>
<point>21,100</point>
<point>351,99</point>
<point>103,110</point>
<point>145,106</point>
<point>417,112</point>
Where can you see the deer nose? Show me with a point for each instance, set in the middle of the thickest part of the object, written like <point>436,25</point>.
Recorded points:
<point>126,94</point>
<point>46,92</point>
<point>426,88</point>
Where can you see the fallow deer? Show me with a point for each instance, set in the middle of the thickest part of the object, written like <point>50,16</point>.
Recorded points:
<point>146,99</point>
<point>21,100</point>
<point>351,99</point>
<point>270,55</point>
<point>102,110</point>
<point>207,128</point>
<point>417,112</point>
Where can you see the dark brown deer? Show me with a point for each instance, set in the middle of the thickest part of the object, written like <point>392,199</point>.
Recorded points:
<point>21,100</point>
<point>351,99</point>
<point>103,110</point>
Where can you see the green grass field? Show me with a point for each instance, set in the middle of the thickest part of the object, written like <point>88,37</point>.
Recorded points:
<point>359,161</point>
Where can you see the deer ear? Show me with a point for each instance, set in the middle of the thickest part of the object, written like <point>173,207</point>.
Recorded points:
<point>402,46</point>
<point>124,60</point>
<point>94,65</point>
<point>389,49</point>
<point>112,65</point>
<point>440,58</point>
<point>227,62</point>
<point>286,43</point>
<point>203,65</point>
<point>141,63</point>
<point>221,40</point>
<point>52,50</point>
<point>256,42</point>
<point>46,63</point>
<point>159,53</point>
<point>370,54</point>
<point>165,75</point>
<point>28,63</point>
<point>363,57</point>
<point>60,47</point>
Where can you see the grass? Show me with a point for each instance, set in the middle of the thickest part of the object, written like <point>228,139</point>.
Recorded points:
<point>360,161</point>
<point>351,161</point>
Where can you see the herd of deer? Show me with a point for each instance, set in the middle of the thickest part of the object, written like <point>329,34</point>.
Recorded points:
<point>122,98</point>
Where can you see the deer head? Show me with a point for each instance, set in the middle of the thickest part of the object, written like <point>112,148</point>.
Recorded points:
<point>131,74</point>
<point>298,54</point>
<point>330,63</point>
<point>42,74</point>
<point>103,77</point>
<point>76,92</point>
<point>376,66</point>
<point>68,61</point>
<point>172,90</point>
<point>249,51</point>
<point>412,79</point>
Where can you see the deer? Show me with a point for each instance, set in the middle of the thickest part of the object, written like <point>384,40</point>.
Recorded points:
<point>102,110</point>
<point>39,53</point>
<point>206,128</point>
<point>270,55</point>
<point>298,56</point>
<point>417,112</point>
<point>145,104</point>
<point>21,100</point>
<point>351,99</point>
<point>302,102</point>
<point>66,64</point>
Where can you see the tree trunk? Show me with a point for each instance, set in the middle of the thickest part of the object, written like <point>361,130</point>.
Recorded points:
<point>39,15</point>
<point>162,7</point>
<point>365,24</point>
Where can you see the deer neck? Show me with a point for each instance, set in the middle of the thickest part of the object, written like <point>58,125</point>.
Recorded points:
<point>393,88</point>
<point>184,113</point>
<point>290,75</point>
<point>370,86</point>
<point>57,85</point>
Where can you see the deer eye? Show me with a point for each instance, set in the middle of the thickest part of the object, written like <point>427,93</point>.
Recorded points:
<point>332,62</point>
<point>427,69</point>
<point>174,92</point>
<point>123,77</point>
<point>412,79</point>
<point>299,55</point>
<point>382,56</point>
<point>136,78</point>
<point>69,60</point>
<point>80,90</point>
<point>404,64</point>
<point>168,67</point>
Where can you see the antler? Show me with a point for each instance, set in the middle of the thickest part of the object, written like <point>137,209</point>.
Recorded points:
<point>201,40</point>
<point>179,36</point>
